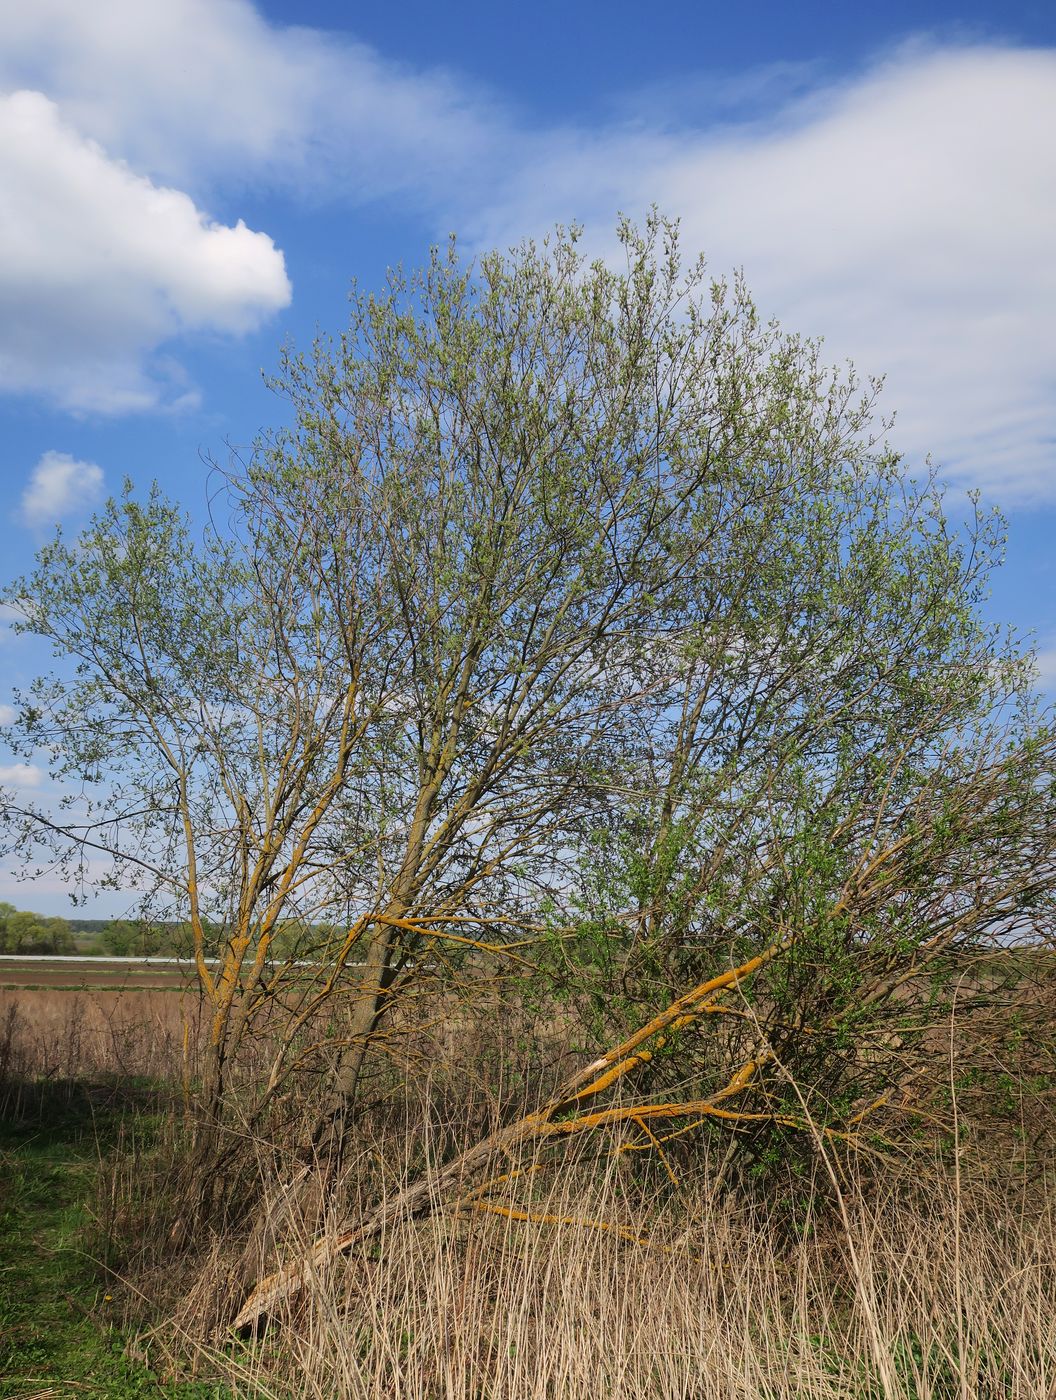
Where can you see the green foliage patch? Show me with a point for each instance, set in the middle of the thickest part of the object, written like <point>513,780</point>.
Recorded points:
<point>58,1329</point>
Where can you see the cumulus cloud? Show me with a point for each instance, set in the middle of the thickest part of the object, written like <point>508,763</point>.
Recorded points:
<point>21,775</point>
<point>906,211</point>
<point>119,122</point>
<point>60,487</point>
<point>99,266</point>
<point>8,714</point>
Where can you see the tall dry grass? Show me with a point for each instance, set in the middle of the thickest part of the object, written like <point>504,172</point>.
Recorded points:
<point>941,1297</point>
<point>935,1286</point>
<point>52,1033</point>
<point>938,1286</point>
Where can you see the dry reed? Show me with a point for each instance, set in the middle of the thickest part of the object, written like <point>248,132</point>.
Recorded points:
<point>935,1288</point>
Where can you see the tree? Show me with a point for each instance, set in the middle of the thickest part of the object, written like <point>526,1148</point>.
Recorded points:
<point>121,938</point>
<point>579,626</point>
<point>23,932</point>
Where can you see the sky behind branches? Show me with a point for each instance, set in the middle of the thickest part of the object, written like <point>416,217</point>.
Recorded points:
<point>185,185</point>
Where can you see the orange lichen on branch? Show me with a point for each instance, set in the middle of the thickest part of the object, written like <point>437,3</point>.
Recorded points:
<point>495,1181</point>
<point>542,1217</point>
<point>655,1141</point>
<point>697,1108</point>
<point>666,1138</point>
<point>542,1125</point>
<point>681,1013</point>
<point>423,929</point>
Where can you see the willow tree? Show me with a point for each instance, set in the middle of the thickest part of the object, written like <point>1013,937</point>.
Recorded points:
<point>576,606</point>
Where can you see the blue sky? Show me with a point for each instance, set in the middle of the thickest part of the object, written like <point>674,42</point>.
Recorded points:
<point>186,184</point>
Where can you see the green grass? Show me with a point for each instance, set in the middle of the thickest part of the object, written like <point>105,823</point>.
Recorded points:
<point>58,1331</point>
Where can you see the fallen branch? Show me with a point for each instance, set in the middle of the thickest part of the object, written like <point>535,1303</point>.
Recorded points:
<point>585,1084</point>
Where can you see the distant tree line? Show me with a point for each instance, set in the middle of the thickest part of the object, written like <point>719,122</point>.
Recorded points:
<point>24,932</point>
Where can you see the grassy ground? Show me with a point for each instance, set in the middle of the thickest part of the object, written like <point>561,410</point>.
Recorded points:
<point>58,1336</point>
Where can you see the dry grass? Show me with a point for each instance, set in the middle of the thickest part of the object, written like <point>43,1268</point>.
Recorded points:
<point>940,1299</point>
<point>938,1288</point>
<point>929,1289</point>
<point>53,1033</point>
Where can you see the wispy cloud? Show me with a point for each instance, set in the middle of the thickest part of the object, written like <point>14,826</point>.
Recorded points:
<point>906,211</point>
<point>1045,661</point>
<point>907,214</point>
<point>60,487</point>
<point>8,616</point>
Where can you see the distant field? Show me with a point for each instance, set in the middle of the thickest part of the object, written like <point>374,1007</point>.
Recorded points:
<point>67,1017</point>
<point>76,973</point>
<point>77,1016</point>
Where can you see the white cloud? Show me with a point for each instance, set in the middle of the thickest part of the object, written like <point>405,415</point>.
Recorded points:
<point>21,775</point>
<point>60,487</point>
<point>907,212</point>
<point>99,266</point>
<point>8,714</point>
<point>909,216</point>
<point>1045,661</point>
<point>193,89</point>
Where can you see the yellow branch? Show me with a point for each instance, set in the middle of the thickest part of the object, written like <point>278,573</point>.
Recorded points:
<point>497,1181</point>
<point>414,926</point>
<point>534,1217</point>
<point>662,1154</point>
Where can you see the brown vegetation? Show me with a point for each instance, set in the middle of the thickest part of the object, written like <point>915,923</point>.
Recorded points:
<point>56,1033</point>
<point>623,1273</point>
